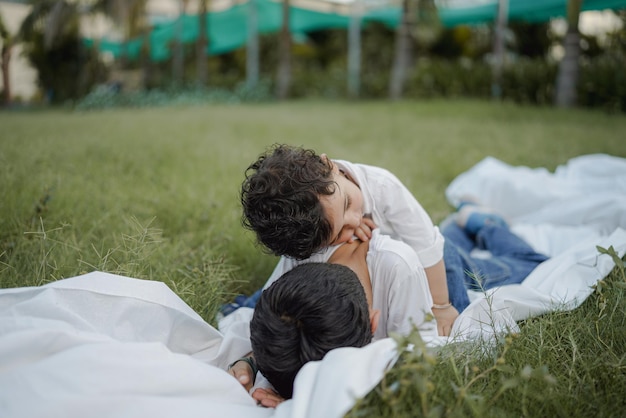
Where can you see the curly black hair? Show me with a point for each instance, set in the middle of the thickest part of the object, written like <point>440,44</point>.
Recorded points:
<point>280,197</point>
<point>310,310</point>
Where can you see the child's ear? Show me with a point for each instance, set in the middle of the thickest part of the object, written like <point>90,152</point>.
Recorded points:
<point>374,316</point>
<point>327,160</point>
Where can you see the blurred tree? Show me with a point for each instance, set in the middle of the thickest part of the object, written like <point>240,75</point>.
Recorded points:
<point>532,40</point>
<point>427,28</point>
<point>418,30</point>
<point>616,40</point>
<point>50,35</point>
<point>5,59</point>
<point>590,46</point>
<point>568,67</point>
<point>129,17</point>
<point>202,44</point>
<point>449,44</point>
<point>329,46</point>
<point>403,49</point>
<point>354,49</point>
<point>252,45</point>
<point>473,42</point>
<point>284,61</point>
<point>499,48</point>
<point>178,47</point>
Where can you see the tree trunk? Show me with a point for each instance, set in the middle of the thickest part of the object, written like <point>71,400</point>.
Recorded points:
<point>122,10</point>
<point>6,79</point>
<point>202,45</point>
<point>146,59</point>
<point>567,77</point>
<point>284,63</point>
<point>354,50</point>
<point>252,47</point>
<point>5,60</point>
<point>178,59</point>
<point>403,51</point>
<point>499,49</point>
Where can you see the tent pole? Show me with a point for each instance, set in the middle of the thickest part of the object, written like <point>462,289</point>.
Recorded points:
<point>499,49</point>
<point>354,50</point>
<point>252,50</point>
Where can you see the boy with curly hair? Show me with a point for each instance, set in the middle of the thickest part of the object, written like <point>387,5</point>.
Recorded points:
<point>300,203</point>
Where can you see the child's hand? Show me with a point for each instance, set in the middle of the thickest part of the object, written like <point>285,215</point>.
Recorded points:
<point>267,397</point>
<point>364,231</point>
<point>243,373</point>
<point>445,319</point>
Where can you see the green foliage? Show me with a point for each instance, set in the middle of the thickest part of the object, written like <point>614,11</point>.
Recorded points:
<point>530,81</point>
<point>602,83</point>
<point>566,363</point>
<point>50,36</point>
<point>104,97</point>
<point>619,263</point>
<point>65,71</point>
<point>320,73</point>
<point>458,380</point>
<point>532,40</point>
<point>445,78</point>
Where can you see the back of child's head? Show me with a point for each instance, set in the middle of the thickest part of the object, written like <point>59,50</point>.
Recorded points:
<point>281,201</point>
<point>309,311</point>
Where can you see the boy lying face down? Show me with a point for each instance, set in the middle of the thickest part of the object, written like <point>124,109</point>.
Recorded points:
<point>309,311</point>
<point>319,306</point>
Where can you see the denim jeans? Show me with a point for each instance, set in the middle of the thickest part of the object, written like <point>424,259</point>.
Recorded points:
<point>509,260</point>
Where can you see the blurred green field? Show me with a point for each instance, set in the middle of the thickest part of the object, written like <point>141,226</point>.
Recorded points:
<point>175,173</point>
<point>153,193</point>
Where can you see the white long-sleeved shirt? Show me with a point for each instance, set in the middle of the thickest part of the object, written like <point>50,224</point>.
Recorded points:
<point>399,286</point>
<point>394,210</point>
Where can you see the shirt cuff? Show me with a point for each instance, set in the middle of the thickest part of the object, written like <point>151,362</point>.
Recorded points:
<point>433,254</point>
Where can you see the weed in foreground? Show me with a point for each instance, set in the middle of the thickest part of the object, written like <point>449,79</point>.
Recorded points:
<point>562,364</point>
<point>457,380</point>
<point>46,253</point>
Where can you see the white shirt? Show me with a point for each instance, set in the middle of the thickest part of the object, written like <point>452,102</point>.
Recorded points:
<point>399,286</point>
<point>394,210</point>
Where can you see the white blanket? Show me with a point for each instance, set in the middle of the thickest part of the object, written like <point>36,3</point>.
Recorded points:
<point>101,345</point>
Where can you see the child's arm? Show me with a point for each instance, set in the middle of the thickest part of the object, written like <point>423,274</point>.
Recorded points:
<point>242,371</point>
<point>405,216</point>
<point>444,312</point>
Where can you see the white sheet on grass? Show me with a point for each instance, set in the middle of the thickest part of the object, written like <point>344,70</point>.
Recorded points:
<point>101,345</point>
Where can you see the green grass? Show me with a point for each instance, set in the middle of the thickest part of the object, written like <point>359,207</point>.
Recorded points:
<point>153,193</point>
<point>562,364</point>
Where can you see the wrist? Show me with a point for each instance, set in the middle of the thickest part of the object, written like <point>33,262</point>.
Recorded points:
<point>251,363</point>
<point>442,305</point>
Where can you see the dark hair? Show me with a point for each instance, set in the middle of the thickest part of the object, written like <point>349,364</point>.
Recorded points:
<point>309,311</point>
<point>280,199</point>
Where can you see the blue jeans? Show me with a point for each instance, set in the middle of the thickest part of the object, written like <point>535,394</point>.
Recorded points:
<point>511,260</point>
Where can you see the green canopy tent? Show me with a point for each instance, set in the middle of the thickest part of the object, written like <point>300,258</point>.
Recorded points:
<point>453,13</point>
<point>228,29</point>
